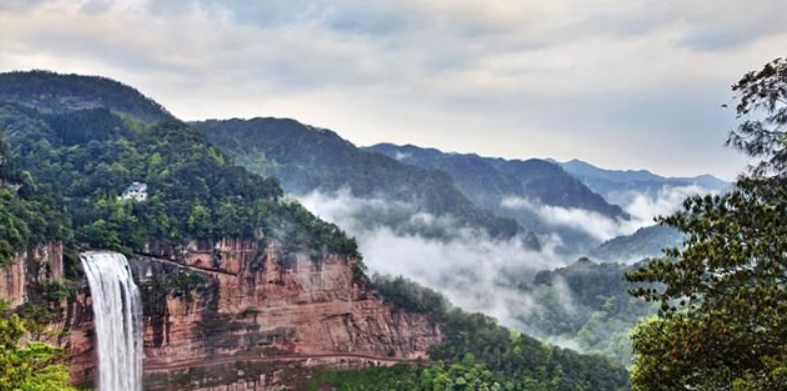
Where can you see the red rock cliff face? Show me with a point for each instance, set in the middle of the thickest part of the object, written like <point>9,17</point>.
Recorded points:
<point>235,316</point>
<point>29,267</point>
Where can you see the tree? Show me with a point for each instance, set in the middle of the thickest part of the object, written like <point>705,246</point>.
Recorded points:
<point>723,318</point>
<point>33,367</point>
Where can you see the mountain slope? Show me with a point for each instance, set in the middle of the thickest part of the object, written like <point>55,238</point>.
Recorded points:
<point>587,303</point>
<point>51,92</point>
<point>488,181</point>
<point>87,158</point>
<point>306,159</point>
<point>645,242</point>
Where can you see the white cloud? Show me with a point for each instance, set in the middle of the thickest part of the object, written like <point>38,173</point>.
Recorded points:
<point>471,269</point>
<point>643,208</point>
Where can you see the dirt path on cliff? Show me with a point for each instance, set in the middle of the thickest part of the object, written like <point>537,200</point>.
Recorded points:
<point>212,272</point>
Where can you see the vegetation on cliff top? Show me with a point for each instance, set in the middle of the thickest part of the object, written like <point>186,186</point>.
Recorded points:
<point>87,158</point>
<point>27,217</point>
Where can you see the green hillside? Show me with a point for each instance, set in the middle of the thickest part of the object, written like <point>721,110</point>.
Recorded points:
<point>306,158</point>
<point>88,158</point>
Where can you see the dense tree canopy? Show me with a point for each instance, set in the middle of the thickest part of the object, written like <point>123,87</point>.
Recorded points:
<point>33,367</point>
<point>723,318</point>
<point>27,216</point>
<point>88,158</point>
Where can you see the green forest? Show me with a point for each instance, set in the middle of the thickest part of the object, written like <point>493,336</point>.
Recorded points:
<point>88,158</point>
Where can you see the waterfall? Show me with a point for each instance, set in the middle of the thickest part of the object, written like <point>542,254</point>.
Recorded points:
<point>117,310</point>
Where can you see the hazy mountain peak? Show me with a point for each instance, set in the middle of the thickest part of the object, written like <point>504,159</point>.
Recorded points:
<point>51,92</point>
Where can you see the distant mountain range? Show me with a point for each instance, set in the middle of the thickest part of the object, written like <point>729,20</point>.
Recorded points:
<point>487,181</point>
<point>531,185</point>
<point>615,185</point>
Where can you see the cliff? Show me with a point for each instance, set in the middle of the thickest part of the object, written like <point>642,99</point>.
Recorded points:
<point>241,315</point>
<point>29,268</point>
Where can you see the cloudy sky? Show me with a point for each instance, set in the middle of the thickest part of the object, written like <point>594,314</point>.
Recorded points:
<point>620,83</point>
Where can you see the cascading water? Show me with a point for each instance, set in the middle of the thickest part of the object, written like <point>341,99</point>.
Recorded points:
<point>117,310</point>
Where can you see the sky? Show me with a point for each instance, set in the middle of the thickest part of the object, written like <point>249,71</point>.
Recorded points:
<point>619,83</point>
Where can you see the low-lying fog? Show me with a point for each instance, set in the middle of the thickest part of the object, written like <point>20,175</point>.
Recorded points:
<point>476,272</point>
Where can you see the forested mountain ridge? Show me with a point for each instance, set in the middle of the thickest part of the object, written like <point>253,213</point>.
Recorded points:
<point>305,158</point>
<point>88,158</point>
<point>489,180</point>
<point>51,92</point>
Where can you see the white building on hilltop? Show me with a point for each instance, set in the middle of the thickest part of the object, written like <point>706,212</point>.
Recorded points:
<point>136,191</point>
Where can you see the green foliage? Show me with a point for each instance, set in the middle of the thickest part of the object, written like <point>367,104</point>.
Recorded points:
<point>33,367</point>
<point>584,304</point>
<point>27,217</point>
<point>520,362</point>
<point>88,158</point>
<point>723,297</point>
<point>463,376</point>
<point>411,297</point>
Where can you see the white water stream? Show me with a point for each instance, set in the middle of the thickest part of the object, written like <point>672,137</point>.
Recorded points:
<point>117,310</point>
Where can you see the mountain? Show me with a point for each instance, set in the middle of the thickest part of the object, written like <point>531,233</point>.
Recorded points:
<point>645,242</point>
<point>241,288</point>
<point>306,159</point>
<point>488,181</point>
<point>50,92</point>
<point>526,190</point>
<point>617,185</point>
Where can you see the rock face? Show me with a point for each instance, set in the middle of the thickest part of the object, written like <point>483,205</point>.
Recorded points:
<point>243,315</point>
<point>37,264</point>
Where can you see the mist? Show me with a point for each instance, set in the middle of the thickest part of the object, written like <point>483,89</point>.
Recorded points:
<point>642,207</point>
<point>474,271</point>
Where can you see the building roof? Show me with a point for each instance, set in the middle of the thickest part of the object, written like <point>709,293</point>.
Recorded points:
<point>136,186</point>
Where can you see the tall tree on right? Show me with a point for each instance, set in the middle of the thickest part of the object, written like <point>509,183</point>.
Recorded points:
<point>723,318</point>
